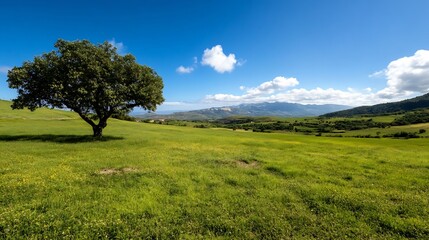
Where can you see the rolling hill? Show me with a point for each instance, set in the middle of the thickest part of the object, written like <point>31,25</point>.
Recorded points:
<point>6,112</point>
<point>419,102</point>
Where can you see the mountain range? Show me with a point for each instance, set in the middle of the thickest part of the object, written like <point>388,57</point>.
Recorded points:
<point>280,109</point>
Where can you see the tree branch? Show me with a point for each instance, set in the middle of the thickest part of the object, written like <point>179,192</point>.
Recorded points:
<point>86,118</point>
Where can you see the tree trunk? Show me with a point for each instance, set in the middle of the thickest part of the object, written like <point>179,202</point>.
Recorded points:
<point>98,129</point>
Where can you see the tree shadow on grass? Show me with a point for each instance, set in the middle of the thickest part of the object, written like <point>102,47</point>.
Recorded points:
<point>57,138</point>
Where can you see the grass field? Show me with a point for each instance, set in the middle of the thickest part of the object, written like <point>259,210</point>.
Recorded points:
<point>159,181</point>
<point>385,131</point>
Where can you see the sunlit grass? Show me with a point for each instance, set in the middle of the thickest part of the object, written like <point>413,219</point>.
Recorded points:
<point>414,128</point>
<point>157,181</point>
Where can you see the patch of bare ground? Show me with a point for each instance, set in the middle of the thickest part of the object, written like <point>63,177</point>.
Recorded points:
<point>248,164</point>
<point>112,171</point>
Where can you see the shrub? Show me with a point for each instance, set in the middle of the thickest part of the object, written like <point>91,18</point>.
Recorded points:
<point>200,126</point>
<point>403,134</point>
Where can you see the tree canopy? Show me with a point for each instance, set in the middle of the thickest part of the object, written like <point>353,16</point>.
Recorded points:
<point>92,80</point>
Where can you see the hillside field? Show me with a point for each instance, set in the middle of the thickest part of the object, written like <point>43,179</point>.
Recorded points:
<point>149,181</point>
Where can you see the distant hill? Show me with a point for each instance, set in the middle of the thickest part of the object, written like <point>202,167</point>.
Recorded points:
<point>280,109</point>
<point>384,108</point>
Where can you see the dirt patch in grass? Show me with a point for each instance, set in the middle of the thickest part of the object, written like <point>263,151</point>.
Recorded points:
<point>248,164</point>
<point>112,171</point>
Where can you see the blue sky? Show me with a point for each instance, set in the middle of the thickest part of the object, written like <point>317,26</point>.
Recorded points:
<point>217,53</point>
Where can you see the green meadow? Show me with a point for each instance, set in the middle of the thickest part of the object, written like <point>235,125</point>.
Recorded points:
<point>149,181</point>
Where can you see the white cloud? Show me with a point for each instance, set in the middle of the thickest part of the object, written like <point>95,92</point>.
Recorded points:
<point>184,70</point>
<point>241,62</point>
<point>350,89</point>
<point>173,103</point>
<point>216,59</point>
<point>278,83</point>
<point>120,47</point>
<point>318,95</point>
<point>407,75</point>
<point>276,91</point>
<point>182,106</point>
<point>4,69</point>
<point>378,74</point>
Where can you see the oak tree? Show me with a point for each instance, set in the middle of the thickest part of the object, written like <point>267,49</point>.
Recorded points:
<point>91,80</point>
